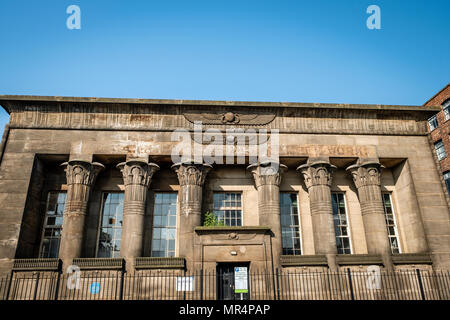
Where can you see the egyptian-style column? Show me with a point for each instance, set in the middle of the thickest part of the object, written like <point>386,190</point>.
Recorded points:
<point>267,176</point>
<point>366,176</point>
<point>137,176</point>
<point>80,176</point>
<point>317,174</point>
<point>191,177</point>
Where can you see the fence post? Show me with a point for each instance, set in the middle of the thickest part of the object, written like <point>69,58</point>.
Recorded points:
<point>278,286</point>
<point>58,278</point>
<point>350,283</point>
<point>419,278</point>
<point>122,275</point>
<point>184,278</point>
<point>36,286</point>
<point>201,284</point>
<point>9,285</point>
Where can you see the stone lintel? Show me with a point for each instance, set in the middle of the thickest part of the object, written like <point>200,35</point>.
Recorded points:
<point>303,260</point>
<point>411,258</point>
<point>80,157</point>
<point>159,263</point>
<point>237,229</point>
<point>99,263</point>
<point>359,259</point>
<point>40,264</point>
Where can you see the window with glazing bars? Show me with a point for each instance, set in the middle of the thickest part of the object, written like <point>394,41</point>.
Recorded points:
<point>290,224</point>
<point>433,123</point>
<point>446,108</point>
<point>111,229</point>
<point>164,224</point>
<point>391,223</point>
<point>53,221</point>
<point>447,180</point>
<point>440,150</point>
<point>228,208</point>
<point>341,227</point>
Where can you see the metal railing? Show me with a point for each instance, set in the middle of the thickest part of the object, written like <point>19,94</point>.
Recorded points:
<point>208,285</point>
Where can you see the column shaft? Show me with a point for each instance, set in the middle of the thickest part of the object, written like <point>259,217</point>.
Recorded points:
<point>191,177</point>
<point>137,175</point>
<point>318,178</point>
<point>267,178</point>
<point>80,176</point>
<point>366,177</point>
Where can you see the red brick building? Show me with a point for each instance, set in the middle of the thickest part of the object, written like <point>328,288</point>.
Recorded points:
<point>439,126</point>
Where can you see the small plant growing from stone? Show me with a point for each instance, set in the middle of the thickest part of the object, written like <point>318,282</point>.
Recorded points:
<point>210,220</point>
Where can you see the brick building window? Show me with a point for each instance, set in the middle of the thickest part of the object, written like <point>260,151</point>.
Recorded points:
<point>228,208</point>
<point>433,123</point>
<point>446,108</point>
<point>290,224</point>
<point>440,150</point>
<point>53,221</point>
<point>341,223</point>
<point>391,223</point>
<point>111,228</point>
<point>447,180</point>
<point>164,224</point>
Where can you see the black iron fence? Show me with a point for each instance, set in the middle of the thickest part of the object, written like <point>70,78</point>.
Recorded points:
<point>208,285</point>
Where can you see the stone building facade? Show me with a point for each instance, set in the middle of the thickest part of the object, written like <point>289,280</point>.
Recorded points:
<point>439,128</point>
<point>91,181</point>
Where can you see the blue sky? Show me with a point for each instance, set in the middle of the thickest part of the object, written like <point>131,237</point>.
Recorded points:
<point>305,51</point>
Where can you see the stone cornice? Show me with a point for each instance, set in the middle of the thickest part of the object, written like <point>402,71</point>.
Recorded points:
<point>65,113</point>
<point>5,100</point>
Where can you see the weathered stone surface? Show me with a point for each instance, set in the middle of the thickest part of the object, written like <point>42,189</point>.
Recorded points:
<point>267,178</point>
<point>317,175</point>
<point>137,176</point>
<point>366,174</point>
<point>80,177</point>
<point>111,131</point>
<point>191,177</point>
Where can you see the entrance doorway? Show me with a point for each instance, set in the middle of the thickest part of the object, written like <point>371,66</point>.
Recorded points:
<point>227,288</point>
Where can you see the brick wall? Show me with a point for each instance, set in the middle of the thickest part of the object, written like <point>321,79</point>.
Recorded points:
<point>443,130</point>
